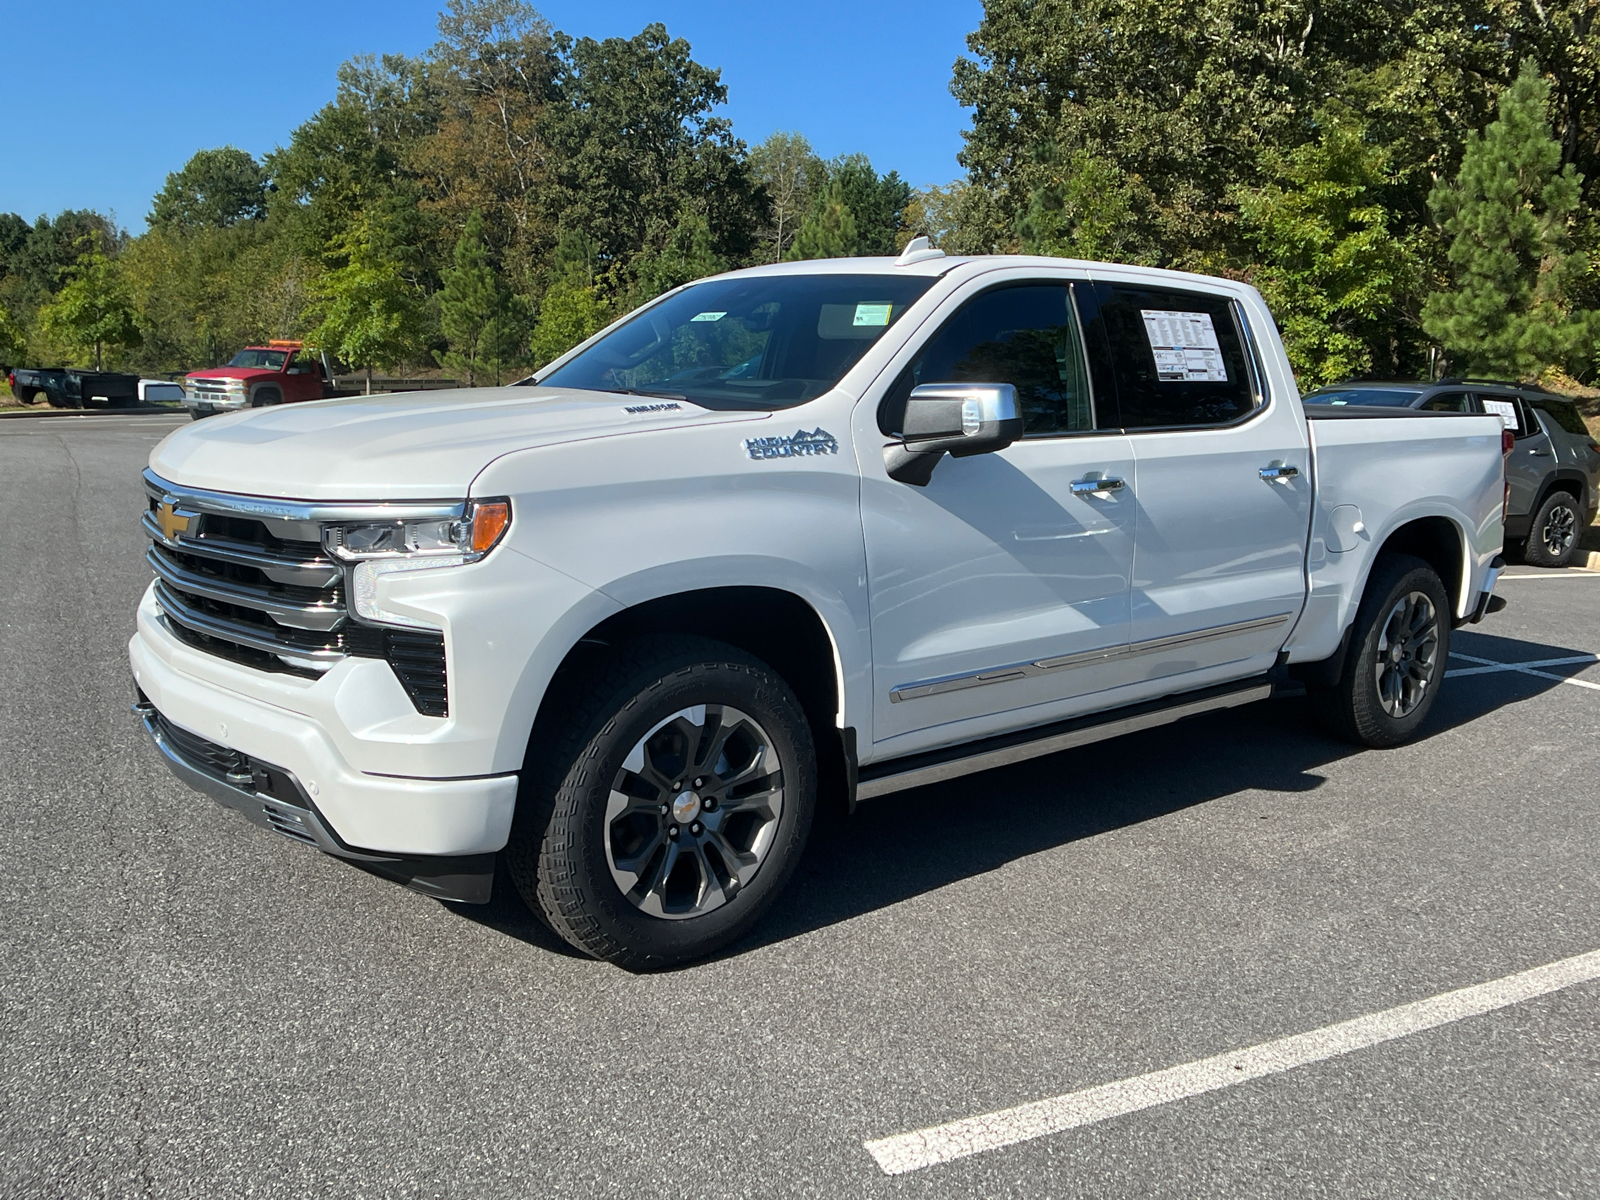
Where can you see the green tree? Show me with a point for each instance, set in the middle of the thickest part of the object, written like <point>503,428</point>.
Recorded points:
<point>1508,215</point>
<point>687,255</point>
<point>475,307</point>
<point>877,203</point>
<point>790,171</point>
<point>13,342</point>
<point>215,189</point>
<point>1084,208</point>
<point>1332,267</point>
<point>570,312</point>
<point>92,312</point>
<point>365,311</point>
<point>829,230</point>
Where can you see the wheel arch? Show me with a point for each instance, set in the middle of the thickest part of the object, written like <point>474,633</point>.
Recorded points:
<point>780,627</point>
<point>1564,480</point>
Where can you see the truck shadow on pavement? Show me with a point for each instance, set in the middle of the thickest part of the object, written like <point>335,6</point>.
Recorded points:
<point>904,845</point>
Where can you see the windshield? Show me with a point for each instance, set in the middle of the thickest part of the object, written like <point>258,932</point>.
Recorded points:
<point>271,360</point>
<point>763,342</point>
<point>1380,397</point>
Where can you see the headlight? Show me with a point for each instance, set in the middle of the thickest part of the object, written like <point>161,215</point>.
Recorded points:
<point>387,547</point>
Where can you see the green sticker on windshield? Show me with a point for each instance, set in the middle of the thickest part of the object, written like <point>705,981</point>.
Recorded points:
<point>709,316</point>
<point>872,314</point>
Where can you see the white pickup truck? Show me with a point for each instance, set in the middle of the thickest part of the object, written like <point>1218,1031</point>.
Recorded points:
<point>847,527</point>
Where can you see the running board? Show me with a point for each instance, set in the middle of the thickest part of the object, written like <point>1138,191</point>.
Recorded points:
<point>918,770</point>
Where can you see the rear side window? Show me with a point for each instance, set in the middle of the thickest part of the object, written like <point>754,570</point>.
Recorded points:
<point>1022,334</point>
<point>1563,412</point>
<point>1177,358</point>
<point>1511,410</point>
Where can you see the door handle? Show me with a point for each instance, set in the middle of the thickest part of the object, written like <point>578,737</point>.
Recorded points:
<point>1089,487</point>
<point>1273,474</point>
<point>1538,454</point>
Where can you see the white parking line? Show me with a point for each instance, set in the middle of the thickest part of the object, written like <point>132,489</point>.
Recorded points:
<point>959,1139</point>
<point>1489,667</point>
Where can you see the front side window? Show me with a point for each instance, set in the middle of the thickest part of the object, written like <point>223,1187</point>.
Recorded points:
<point>1456,402</point>
<point>762,342</point>
<point>1025,335</point>
<point>1176,358</point>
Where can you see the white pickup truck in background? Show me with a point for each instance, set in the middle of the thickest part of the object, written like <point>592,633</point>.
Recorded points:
<point>848,526</point>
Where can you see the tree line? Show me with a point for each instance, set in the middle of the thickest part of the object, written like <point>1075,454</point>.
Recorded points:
<point>1413,188</point>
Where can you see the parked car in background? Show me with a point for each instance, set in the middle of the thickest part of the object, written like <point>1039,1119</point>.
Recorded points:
<point>258,376</point>
<point>1553,473</point>
<point>69,387</point>
<point>159,391</point>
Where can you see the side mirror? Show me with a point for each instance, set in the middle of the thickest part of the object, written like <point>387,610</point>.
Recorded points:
<point>961,418</point>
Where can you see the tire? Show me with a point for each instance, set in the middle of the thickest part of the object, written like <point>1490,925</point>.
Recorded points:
<point>1395,664</point>
<point>65,401</point>
<point>265,397</point>
<point>657,875</point>
<point>1553,536</point>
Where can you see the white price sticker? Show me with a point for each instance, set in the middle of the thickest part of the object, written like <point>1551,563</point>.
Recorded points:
<point>1504,409</point>
<point>1185,346</point>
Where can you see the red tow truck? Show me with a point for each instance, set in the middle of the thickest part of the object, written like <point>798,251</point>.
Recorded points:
<point>277,373</point>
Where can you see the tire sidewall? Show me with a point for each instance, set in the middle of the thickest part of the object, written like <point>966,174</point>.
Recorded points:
<point>577,832</point>
<point>1373,724</point>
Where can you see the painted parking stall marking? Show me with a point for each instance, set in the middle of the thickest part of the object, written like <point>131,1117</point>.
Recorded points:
<point>960,1139</point>
<point>1488,666</point>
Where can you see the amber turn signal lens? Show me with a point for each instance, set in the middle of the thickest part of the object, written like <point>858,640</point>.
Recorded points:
<point>489,521</point>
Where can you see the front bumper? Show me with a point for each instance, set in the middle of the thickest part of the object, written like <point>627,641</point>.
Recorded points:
<point>273,798</point>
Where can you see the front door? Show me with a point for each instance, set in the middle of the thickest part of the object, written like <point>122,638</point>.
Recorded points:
<point>1001,584</point>
<point>1222,478</point>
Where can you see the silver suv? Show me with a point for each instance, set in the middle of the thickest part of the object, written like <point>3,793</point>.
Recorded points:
<point>1554,468</point>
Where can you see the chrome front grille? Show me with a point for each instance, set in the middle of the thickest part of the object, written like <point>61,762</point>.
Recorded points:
<point>259,589</point>
<point>211,390</point>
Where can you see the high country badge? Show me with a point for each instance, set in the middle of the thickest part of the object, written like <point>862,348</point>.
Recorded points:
<point>799,444</point>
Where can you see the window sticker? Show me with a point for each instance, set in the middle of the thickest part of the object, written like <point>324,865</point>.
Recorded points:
<point>872,314</point>
<point>1185,346</point>
<point>708,316</point>
<point>1504,409</point>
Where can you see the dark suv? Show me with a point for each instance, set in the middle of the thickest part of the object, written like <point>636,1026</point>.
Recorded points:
<point>1554,468</point>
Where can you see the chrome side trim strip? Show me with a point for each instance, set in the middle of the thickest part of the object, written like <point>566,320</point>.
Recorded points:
<point>956,683</point>
<point>322,618</point>
<point>229,504</point>
<point>1053,743</point>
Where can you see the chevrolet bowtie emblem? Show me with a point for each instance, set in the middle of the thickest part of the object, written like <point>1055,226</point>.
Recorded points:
<point>172,523</point>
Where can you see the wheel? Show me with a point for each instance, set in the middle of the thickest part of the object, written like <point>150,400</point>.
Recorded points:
<point>669,806</point>
<point>1396,660</point>
<point>1553,536</point>
<point>65,401</point>
<point>266,396</point>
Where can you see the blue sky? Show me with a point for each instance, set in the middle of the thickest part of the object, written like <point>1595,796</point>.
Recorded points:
<point>119,94</point>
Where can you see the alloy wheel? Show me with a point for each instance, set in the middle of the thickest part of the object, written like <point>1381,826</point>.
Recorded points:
<point>693,812</point>
<point>1560,528</point>
<point>1408,651</point>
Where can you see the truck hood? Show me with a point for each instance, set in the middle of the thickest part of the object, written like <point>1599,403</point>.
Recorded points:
<point>233,373</point>
<point>407,446</point>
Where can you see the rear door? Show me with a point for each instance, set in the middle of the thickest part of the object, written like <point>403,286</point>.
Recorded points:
<point>1532,457</point>
<point>1221,477</point>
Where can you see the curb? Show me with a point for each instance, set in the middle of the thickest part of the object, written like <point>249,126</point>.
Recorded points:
<point>24,414</point>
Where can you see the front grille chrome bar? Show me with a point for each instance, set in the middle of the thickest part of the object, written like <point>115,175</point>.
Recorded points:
<point>322,616</point>
<point>315,572</point>
<point>242,633</point>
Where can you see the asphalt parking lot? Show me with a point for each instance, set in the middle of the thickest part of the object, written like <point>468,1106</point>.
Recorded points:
<point>192,1007</point>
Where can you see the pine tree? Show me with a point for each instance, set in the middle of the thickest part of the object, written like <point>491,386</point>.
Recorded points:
<point>474,306</point>
<point>1509,214</point>
<point>829,230</point>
